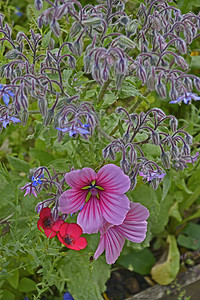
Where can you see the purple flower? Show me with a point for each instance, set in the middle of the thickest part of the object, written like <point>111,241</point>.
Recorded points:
<point>149,175</point>
<point>67,296</point>
<point>6,95</point>
<point>29,190</point>
<point>7,119</point>
<point>193,158</point>
<point>73,130</point>
<point>186,99</point>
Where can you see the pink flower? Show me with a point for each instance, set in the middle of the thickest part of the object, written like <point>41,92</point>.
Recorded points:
<point>133,229</point>
<point>29,190</point>
<point>99,195</point>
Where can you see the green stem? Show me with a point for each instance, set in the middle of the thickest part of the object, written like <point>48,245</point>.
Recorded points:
<point>103,133</point>
<point>103,90</point>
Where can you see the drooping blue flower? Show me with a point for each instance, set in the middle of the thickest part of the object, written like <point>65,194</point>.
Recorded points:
<point>67,296</point>
<point>18,12</point>
<point>75,129</point>
<point>186,99</point>
<point>36,180</point>
<point>7,119</point>
<point>6,94</point>
<point>151,175</point>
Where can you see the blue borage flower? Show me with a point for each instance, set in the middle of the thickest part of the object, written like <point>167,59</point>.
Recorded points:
<point>186,99</point>
<point>151,175</point>
<point>36,180</point>
<point>7,119</point>
<point>6,94</point>
<point>73,130</point>
<point>67,296</point>
<point>18,12</point>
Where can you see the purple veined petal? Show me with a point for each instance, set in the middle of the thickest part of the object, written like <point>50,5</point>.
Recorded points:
<point>90,218</point>
<point>80,178</point>
<point>82,130</point>
<point>72,132</point>
<point>114,207</point>
<point>72,201</point>
<point>101,247</point>
<point>134,226</point>
<point>112,179</point>
<point>114,243</point>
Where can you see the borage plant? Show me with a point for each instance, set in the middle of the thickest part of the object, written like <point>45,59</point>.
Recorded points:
<point>64,79</point>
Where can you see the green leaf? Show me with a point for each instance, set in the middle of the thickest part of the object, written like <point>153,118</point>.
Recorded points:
<point>166,270</point>
<point>90,277</point>
<point>14,279</point>
<point>43,156</point>
<point>140,262</point>
<point>46,39</point>
<point>128,90</point>
<point>166,185</point>
<point>174,212</point>
<point>7,295</point>
<point>190,237</point>
<point>18,164</point>
<point>151,150</point>
<point>109,99</point>
<point>27,285</point>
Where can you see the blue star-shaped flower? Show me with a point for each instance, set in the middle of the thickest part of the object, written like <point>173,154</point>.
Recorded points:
<point>187,98</point>
<point>7,119</point>
<point>6,95</point>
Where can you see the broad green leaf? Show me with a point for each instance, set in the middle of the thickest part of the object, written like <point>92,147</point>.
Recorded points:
<point>190,237</point>
<point>166,270</point>
<point>109,99</point>
<point>14,279</point>
<point>174,212</point>
<point>18,164</point>
<point>166,185</point>
<point>46,39</point>
<point>140,262</point>
<point>85,280</point>
<point>27,285</point>
<point>43,156</point>
<point>151,150</point>
<point>7,295</point>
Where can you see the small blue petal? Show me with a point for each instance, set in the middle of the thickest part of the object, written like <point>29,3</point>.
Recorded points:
<point>6,98</point>
<point>82,130</point>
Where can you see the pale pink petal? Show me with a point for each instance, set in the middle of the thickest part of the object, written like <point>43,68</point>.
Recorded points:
<point>134,226</point>
<point>112,179</point>
<point>90,217</point>
<point>72,201</point>
<point>114,243</point>
<point>101,247</point>
<point>114,207</point>
<point>80,178</point>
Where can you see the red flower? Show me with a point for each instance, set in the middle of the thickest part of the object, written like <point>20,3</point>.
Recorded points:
<point>47,223</point>
<point>69,235</point>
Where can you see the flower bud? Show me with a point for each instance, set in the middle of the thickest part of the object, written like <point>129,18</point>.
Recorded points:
<point>155,138</point>
<point>111,154</point>
<point>96,72</point>
<point>125,41</point>
<point>121,66</point>
<point>105,153</point>
<point>186,150</point>
<point>60,11</point>
<point>197,83</point>
<point>181,62</point>
<point>119,110</point>
<point>161,90</point>
<point>105,73</point>
<point>72,62</point>
<point>23,101</point>
<point>133,183</point>
<point>141,74</point>
<point>51,44</point>
<point>154,183</point>
<point>12,54</point>
<point>189,139</point>
<point>95,21</point>
<point>174,151</point>
<point>124,165</point>
<point>188,83</point>
<point>42,104</point>
<point>24,118</point>
<point>181,45</point>
<point>87,63</point>
<point>173,124</point>
<point>78,47</point>
<point>173,94</point>
<point>49,117</point>
<point>75,29</point>
<point>55,27</point>
<point>165,160</point>
<point>38,4</point>
<point>126,137</point>
<point>119,80</point>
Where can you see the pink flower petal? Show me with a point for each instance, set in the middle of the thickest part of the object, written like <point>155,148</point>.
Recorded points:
<point>74,230</point>
<point>80,178</point>
<point>114,244</point>
<point>114,207</point>
<point>134,226</point>
<point>72,200</point>
<point>81,242</point>
<point>74,247</point>
<point>49,233</point>
<point>112,179</point>
<point>90,217</point>
<point>45,212</point>
<point>101,247</point>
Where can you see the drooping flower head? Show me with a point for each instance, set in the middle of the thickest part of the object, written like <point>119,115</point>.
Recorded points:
<point>70,236</point>
<point>6,94</point>
<point>7,119</point>
<point>100,195</point>
<point>133,229</point>
<point>29,190</point>
<point>47,223</point>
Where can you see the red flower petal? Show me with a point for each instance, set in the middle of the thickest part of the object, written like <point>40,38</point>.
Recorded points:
<point>74,230</point>
<point>49,233</point>
<point>57,224</point>
<point>63,229</point>
<point>45,212</point>
<point>80,242</point>
<point>40,225</point>
<point>68,246</point>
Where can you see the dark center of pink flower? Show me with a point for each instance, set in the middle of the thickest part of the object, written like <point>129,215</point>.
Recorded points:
<point>47,223</point>
<point>93,191</point>
<point>68,239</point>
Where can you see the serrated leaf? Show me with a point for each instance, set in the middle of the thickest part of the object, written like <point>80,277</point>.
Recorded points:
<point>166,270</point>
<point>140,262</point>
<point>27,285</point>
<point>18,164</point>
